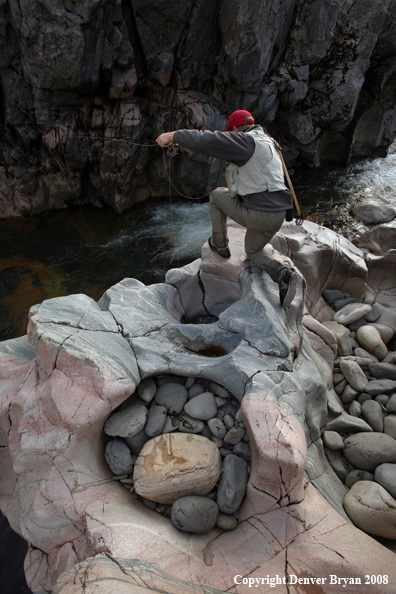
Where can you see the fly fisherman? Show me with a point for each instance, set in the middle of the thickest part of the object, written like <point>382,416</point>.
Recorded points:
<point>256,198</point>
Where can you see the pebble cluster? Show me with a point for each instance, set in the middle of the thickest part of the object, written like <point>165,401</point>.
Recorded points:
<point>142,429</point>
<point>360,443</point>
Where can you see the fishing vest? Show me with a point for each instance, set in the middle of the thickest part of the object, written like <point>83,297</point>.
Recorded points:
<point>253,177</point>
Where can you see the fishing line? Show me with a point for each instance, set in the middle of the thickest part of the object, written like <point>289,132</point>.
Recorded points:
<point>171,209</point>
<point>139,144</point>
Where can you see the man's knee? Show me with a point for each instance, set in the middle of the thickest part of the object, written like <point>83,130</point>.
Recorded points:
<point>217,194</point>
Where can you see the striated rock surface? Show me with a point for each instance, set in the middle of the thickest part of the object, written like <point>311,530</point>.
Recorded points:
<point>87,87</point>
<point>174,465</point>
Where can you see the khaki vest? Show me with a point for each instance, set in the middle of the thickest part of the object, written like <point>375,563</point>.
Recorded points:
<point>253,177</point>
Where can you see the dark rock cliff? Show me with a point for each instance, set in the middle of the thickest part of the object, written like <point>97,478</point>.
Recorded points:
<point>86,83</point>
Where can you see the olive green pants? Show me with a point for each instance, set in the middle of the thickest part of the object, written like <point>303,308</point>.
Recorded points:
<point>260,225</point>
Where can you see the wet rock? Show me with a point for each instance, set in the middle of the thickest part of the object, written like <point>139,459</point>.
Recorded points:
<point>243,450</point>
<point>149,504</point>
<point>372,509</point>
<point>370,339</point>
<point>219,390</point>
<point>341,303</point>
<point>363,354</point>
<point>188,424</point>
<point>345,423</point>
<point>372,413</point>
<point>385,331</point>
<point>229,409</point>
<point>382,399</point>
<point>355,408</point>
<point>380,386</point>
<point>340,387</point>
<point>234,435</point>
<point>373,315</point>
<point>390,426</point>
<point>337,378</point>
<point>170,379</point>
<point>128,422</point>
<point>391,404</point>
<point>226,522</point>
<point>342,335</point>
<point>354,375</point>
<point>348,394</point>
<point>374,214</point>
<point>136,443</point>
<point>232,485</point>
<point>206,432</point>
<point>366,451</point>
<point>385,475</point>
<point>147,389</point>
<point>189,382</point>
<point>338,463</point>
<point>363,397</point>
<point>228,421</point>
<point>171,424</point>
<point>195,390</point>
<point>202,407</point>
<point>218,442</point>
<point>217,427</point>
<point>173,396</point>
<point>118,457</point>
<point>352,312</point>
<point>333,440</point>
<point>155,420</point>
<point>332,295</point>
<point>383,371</point>
<point>357,475</point>
<point>176,465</point>
<point>194,514</point>
<point>354,327</point>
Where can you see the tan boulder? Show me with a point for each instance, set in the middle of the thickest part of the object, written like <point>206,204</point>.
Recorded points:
<point>174,465</point>
<point>372,509</point>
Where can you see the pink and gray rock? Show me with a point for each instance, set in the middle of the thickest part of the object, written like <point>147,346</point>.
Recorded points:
<point>81,519</point>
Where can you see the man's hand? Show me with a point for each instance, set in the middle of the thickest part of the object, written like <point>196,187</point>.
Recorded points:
<point>165,139</point>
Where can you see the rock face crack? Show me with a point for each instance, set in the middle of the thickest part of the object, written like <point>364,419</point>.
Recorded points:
<point>202,287</point>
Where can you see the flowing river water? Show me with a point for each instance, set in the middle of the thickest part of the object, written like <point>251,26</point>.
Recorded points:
<point>87,250</point>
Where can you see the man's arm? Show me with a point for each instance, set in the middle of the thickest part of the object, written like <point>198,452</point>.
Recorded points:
<point>235,147</point>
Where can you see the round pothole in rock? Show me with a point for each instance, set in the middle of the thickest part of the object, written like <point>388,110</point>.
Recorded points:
<point>179,445</point>
<point>210,351</point>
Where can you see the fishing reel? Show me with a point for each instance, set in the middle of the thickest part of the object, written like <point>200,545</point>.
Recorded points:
<point>172,150</point>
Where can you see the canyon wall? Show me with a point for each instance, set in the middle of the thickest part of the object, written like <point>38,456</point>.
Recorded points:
<point>87,85</point>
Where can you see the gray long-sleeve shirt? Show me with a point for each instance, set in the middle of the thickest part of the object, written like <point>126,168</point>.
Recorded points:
<point>237,148</point>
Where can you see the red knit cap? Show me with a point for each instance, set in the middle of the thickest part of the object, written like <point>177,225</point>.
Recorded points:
<point>240,117</point>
